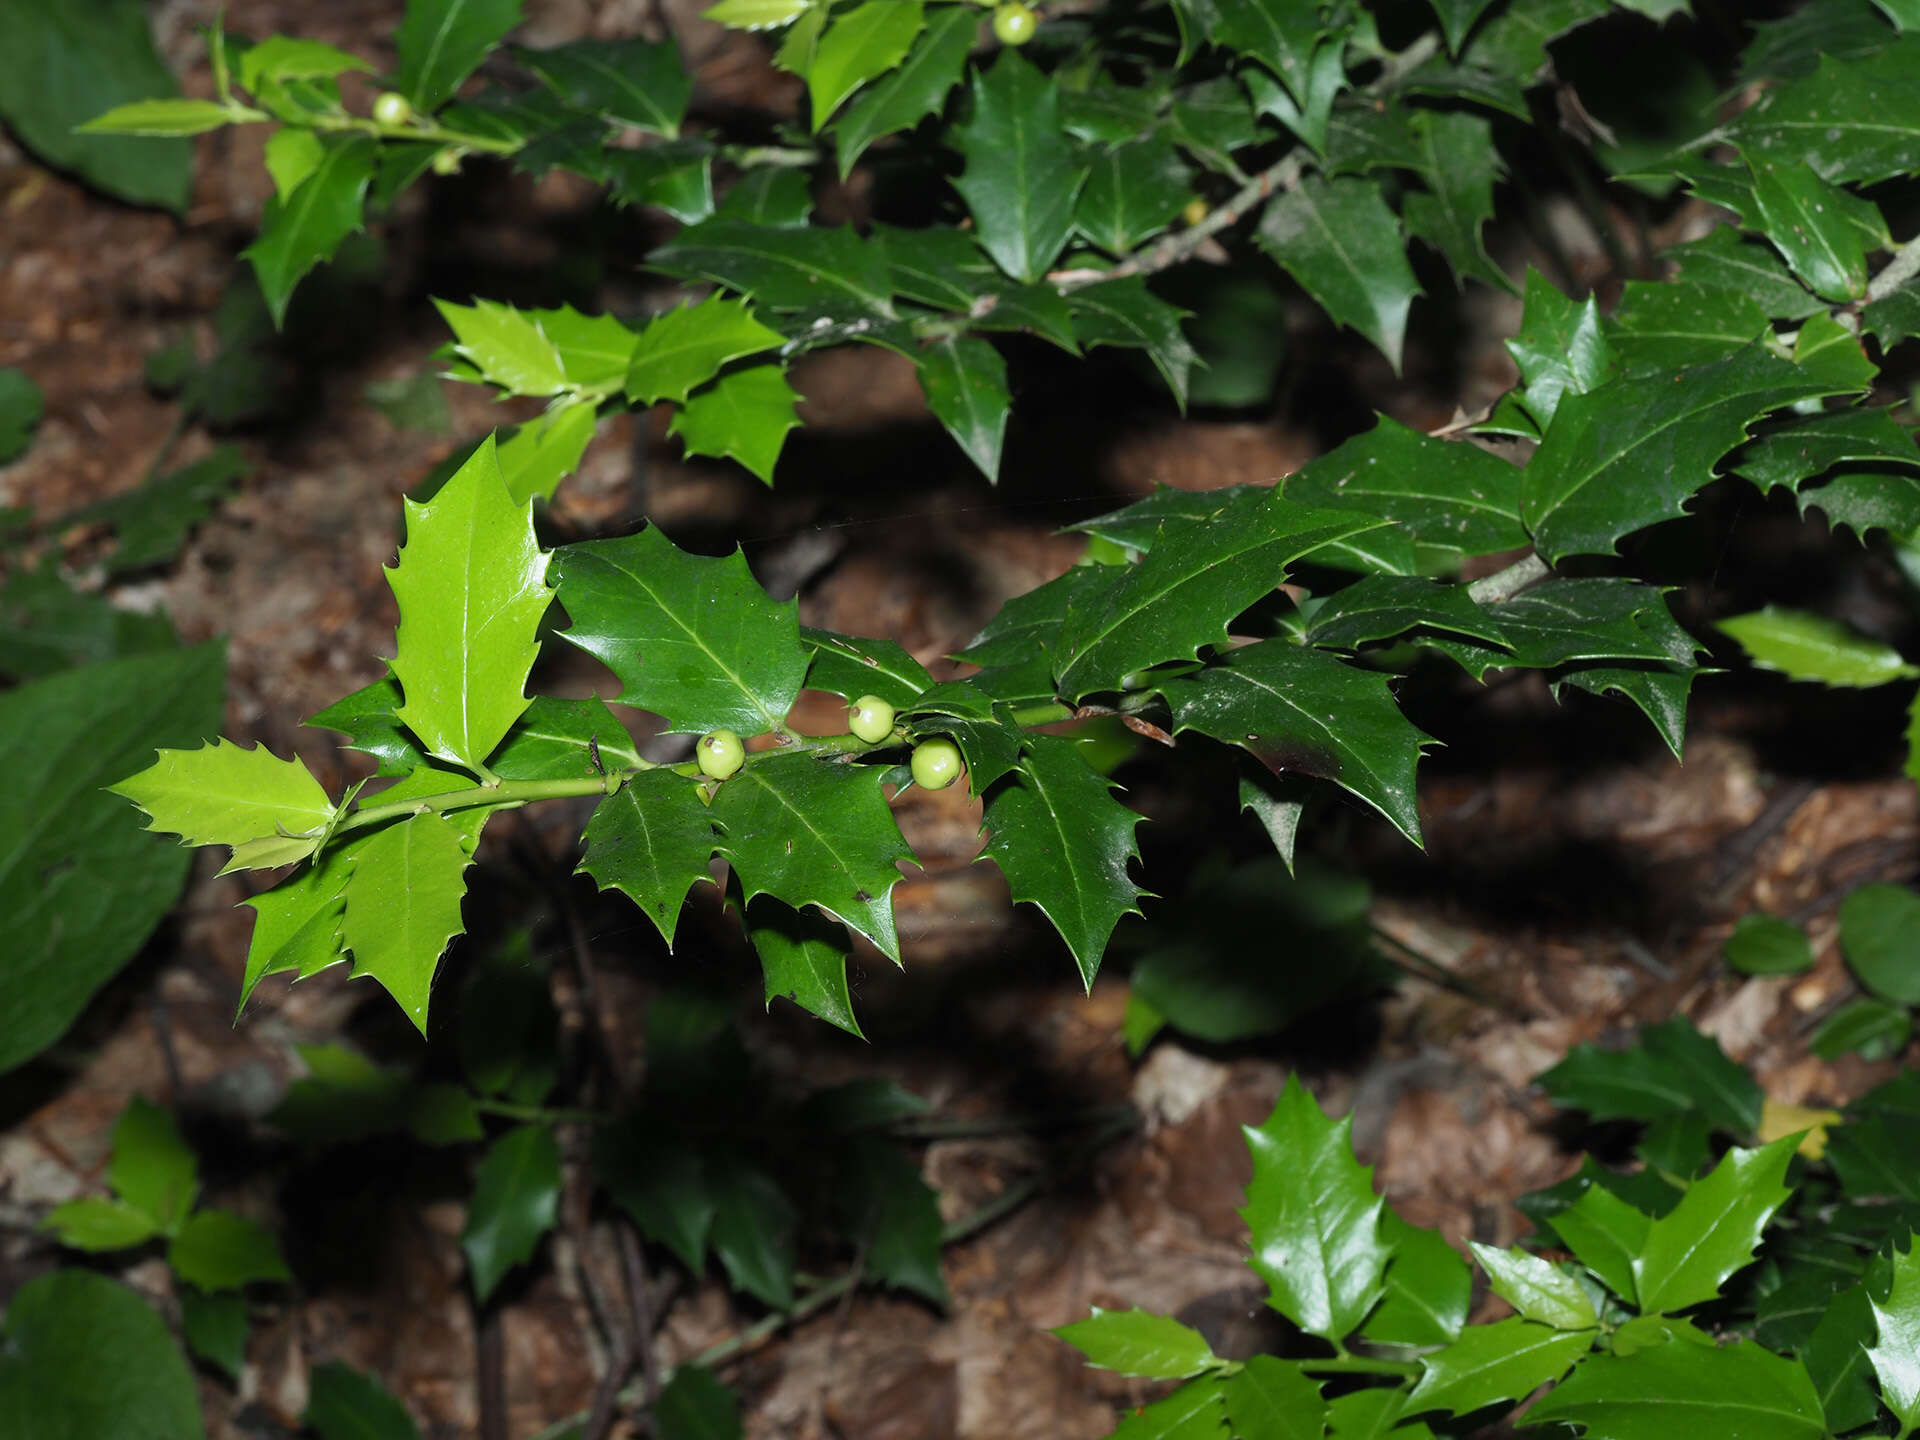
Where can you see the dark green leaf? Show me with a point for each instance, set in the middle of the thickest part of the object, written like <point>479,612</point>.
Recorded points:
<point>219,1250</point>
<point>1851,120</point>
<point>87,1358</point>
<point>1606,1234</point>
<point>676,176</point>
<point>1633,451</point>
<point>1105,112</point>
<point>215,1329</point>
<point>509,1029</point>
<point>21,404</point>
<point>1063,843</point>
<point>1136,1342</point>
<point>1133,192</point>
<point>1448,495</point>
<point>47,626</point>
<point>916,87</point>
<point>1672,1388</point>
<point>886,1208</point>
<point>63,65</point>
<point>1428,1288</point>
<point>1721,1089</point>
<point>856,666</point>
<point>1506,1360</point>
<point>1714,1229</point>
<point>71,735</point>
<point>768,196</point>
<point>1022,174</point>
<point>693,638</point>
<point>1214,118</point>
<point>1459,166</point>
<point>1125,314</point>
<point>1199,575</point>
<point>153,520</point>
<point>1895,317</point>
<point>1724,260</point>
<point>1810,447</point>
<point>348,1404</point>
<point>369,718</point>
<point>753,1224</point>
<point>1032,621</point>
<point>1308,114</point>
<point>695,1406</point>
<point>661,1183</point>
<point>1315,1221</point>
<point>965,382</point>
<point>1382,606</point>
<point>559,739</point>
<point>307,227</point>
<point>833,271</point>
<point>1278,701</point>
<point>516,1197</point>
<point>1767,945</point>
<point>1874,1157</point>
<point>1874,1029</point>
<point>1270,1399</point>
<point>815,832</point>
<point>1561,348</point>
<point>1340,242</point>
<point>651,840</point>
<point>803,956</point>
<point>1457,18</point>
<point>1814,225</point>
<point>1835,1355</point>
<point>635,82</point>
<point>1662,327</point>
<point>1880,936</point>
<point>860,44</point>
<point>1282,34</point>
<point>441,42</point>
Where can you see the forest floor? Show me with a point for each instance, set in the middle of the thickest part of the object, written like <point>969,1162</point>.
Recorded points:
<point>1577,880</point>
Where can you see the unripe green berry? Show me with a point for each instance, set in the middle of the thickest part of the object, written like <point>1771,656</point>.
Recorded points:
<point>390,107</point>
<point>936,763</point>
<point>446,162</point>
<point>1014,23</point>
<point>871,718</point>
<point>720,754</point>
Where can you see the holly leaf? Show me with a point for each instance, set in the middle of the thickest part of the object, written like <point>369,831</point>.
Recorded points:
<point>693,638</point>
<point>1561,348</point>
<point>1447,495</point>
<point>1138,1342</point>
<point>369,718</point>
<point>693,1405</point>
<point>918,86</point>
<point>1539,1289</point>
<point>441,42</point>
<point>403,906</point>
<point>1273,699</point>
<point>1663,326</point>
<point>1815,225</point>
<point>226,794</point>
<point>1506,1360</point>
<point>888,1209</point>
<point>1133,192</point>
<point>1811,446</point>
<point>1630,453</point>
<point>1125,314</point>
<point>1339,240</point>
<point>471,582</point>
<point>792,268</point>
<point>856,666</point>
<point>1383,606</point>
<point>745,415</point>
<point>651,840</point>
<point>965,382</point>
<point>297,924</point>
<point>803,957</point>
<point>1459,165</point>
<point>558,739</point>
<point>1851,121</point>
<point>635,82</point>
<point>1896,1359</point>
<point>1656,1392</point>
<point>1272,1399</point>
<point>305,228</point>
<point>1063,843</point>
<point>539,352</point>
<point>1281,34</point>
<point>1427,1292</point>
<point>516,1198</point>
<point>862,43</point>
<point>1314,1218</point>
<point>1022,172</point>
<point>1714,1229</point>
<point>687,346</point>
<point>1193,1412</point>
<point>1805,646</point>
<point>814,832</point>
<point>753,1225</point>
<point>1200,574</point>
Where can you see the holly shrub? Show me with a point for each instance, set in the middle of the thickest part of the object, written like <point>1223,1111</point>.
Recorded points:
<point>1058,171</point>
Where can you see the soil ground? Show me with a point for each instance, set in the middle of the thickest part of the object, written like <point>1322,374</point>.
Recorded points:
<point>1577,879</point>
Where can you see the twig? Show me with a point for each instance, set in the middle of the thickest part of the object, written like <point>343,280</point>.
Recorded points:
<point>491,1372</point>
<point>634,1258</point>
<point>1898,271</point>
<point>1507,583</point>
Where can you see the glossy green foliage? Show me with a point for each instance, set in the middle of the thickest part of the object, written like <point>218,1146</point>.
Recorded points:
<point>346,1404</point>
<point>516,1198</point>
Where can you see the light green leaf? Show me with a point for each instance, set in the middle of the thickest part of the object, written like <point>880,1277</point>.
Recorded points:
<point>471,582</point>
<point>292,155</point>
<point>283,57</point>
<point>1537,1288</point>
<point>1680,1387</point>
<point>964,380</point>
<point>538,455</point>
<point>803,956</point>
<point>1270,1399</point>
<point>163,117</point>
<point>540,352</point>
<point>1193,1412</point>
<point>95,1224</point>
<point>687,346</point>
<point>403,906</point>
<point>1022,173</point>
<point>815,832</point>
<point>305,228</point>
<point>1607,1235</point>
<point>219,1250</point>
<point>87,1358</point>
<point>1063,843</point>
<point>1804,646</point>
<point>745,415</point>
<point>916,87</point>
<point>1137,1342</point>
<point>651,840</point>
<point>1880,936</point>
<point>152,1168</point>
<point>1630,453</point>
<point>693,638</point>
<point>756,14</point>
<point>862,43</point>
<point>296,925</point>
<point>1314,1218</point>
<point>1896,1359</point>
<point>1506,1360</point>
<point>1339,240</point>
<point>1767,945</point>
<point>1428,1288</point>
<point>516,1198</point>
<point>348,1404</point>
<point>441,42</point>
<point>226,794</point>
<point>1714,1229</point>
